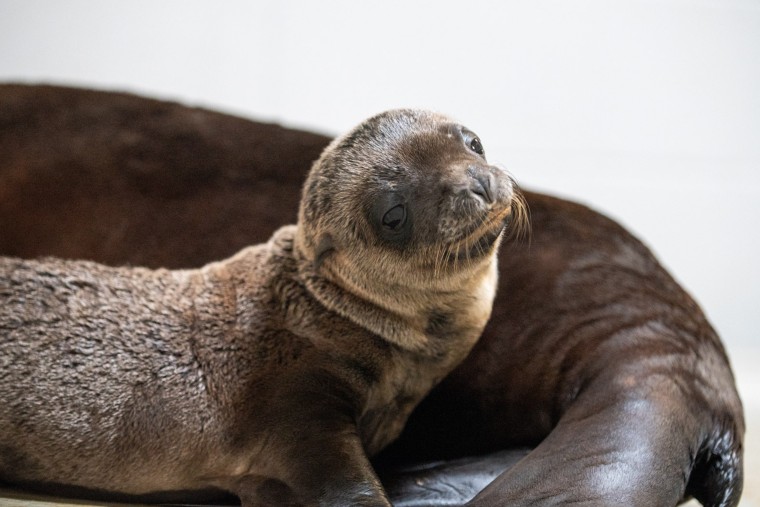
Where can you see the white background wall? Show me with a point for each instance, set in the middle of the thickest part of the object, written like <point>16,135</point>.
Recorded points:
<point>646,109</point>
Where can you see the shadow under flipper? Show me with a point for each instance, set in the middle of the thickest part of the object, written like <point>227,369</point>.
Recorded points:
<point>449,483</point>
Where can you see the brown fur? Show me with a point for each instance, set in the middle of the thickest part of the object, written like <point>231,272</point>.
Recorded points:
<point>593,352</point>
<point>280,363</point>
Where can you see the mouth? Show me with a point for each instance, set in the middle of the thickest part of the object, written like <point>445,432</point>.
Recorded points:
<point>482,240</point>
<point>473,249</point>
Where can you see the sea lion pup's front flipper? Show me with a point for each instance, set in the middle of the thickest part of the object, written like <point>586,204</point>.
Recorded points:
<point>316,452</point>
<point>331,471</point>
<point>327,470</point>
<point>335,469</point>
<point>259,490</point>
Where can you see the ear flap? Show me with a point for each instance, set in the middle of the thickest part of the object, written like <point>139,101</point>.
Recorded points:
<point>325,247</point>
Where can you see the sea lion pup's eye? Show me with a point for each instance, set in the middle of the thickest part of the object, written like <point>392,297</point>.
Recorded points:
<point>391,216</point>
<point>472,141</point>
<point>476,146</point>
<point>395,218</point>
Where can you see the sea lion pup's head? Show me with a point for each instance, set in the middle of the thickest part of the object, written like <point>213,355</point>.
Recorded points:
<point>399,214</point>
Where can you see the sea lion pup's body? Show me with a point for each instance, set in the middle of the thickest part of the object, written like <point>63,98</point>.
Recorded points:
<point>273,373</point>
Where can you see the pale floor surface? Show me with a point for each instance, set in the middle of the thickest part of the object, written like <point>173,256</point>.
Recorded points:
<point>747,371</point>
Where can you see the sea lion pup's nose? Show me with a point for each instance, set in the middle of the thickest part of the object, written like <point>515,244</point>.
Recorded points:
<point>482,183</point>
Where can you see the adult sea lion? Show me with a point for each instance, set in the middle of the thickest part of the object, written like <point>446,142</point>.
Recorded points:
<point>593,355</point>
<point>274,373</point>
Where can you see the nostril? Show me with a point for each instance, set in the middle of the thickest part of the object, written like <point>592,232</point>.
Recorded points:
<point>482,186</point>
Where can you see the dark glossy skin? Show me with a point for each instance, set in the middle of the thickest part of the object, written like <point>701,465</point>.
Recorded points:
<point>594,355</point>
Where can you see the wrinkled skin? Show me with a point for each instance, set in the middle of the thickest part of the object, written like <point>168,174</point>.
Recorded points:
<point>594,357</point>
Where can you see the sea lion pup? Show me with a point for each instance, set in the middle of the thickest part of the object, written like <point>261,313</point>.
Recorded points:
<point>274,373</point>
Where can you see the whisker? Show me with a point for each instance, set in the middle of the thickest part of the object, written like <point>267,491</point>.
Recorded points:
<point>440,251</point>
<point>452,256</point>
<point>520,227</point>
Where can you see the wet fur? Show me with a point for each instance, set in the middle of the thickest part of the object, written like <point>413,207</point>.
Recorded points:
<point>629,404</point>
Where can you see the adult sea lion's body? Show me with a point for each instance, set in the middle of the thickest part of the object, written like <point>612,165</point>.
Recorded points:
<point>274,373</point>
<point>583,305</point>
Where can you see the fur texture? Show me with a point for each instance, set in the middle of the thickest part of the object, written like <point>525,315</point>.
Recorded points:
<point>269,365</point>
